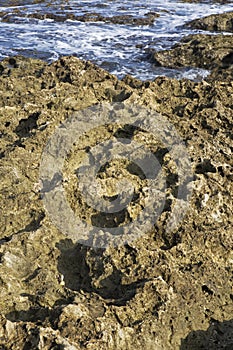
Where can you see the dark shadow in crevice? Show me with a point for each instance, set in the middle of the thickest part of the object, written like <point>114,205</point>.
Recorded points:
<point>78,276</point>
<point>34,314</point>
<point>125,132</point>
<point>218,336</point>
<point>38,314</point>
<point>110,220</point>
<point>228,59</point>
<point>26,126</point>
<point>170,240</point>
<point>72,265</point>
<point>205,167</point>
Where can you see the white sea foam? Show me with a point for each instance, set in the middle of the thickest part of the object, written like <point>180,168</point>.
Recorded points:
<point>110,45</point>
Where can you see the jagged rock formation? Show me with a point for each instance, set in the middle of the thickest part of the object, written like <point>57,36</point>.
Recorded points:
<point>149,294</point>
<point>218,23</point>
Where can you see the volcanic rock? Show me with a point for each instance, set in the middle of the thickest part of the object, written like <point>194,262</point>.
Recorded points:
<point>163,290</point>
<point>218,22</point>
<point>198,50</point>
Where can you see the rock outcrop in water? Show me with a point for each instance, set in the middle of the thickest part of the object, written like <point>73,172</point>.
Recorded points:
<point>209,1</point>
<point>198,50</point>
<point>162,291</point>
<point>213,52</point>
<point>218,23</point>
<point>148,19</point>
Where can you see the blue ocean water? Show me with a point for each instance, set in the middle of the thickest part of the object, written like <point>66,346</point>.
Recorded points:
<point>119,48</point>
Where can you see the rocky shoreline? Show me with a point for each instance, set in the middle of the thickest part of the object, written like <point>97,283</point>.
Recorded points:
<point>163,291</point>
<point>209,51</point>
<point>148,19</point>
<point>198,50</point>
<point>219,23</point>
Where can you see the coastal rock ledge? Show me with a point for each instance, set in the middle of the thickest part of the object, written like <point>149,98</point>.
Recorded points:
<point>209,51</point>
<point>165,290</point>
<point>218,23</point>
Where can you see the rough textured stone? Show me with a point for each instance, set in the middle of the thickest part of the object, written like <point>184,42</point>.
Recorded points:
<point>218,23</point>
<point>198,50</point>
<point>148,19</point>
<point>163,291</point>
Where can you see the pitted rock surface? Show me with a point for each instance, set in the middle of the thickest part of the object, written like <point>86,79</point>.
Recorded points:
<point>163,291</point>
<point>198,50</point>
<point>217,23</point>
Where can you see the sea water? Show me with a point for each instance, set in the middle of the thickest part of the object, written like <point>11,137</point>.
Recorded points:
<point>119,48</point>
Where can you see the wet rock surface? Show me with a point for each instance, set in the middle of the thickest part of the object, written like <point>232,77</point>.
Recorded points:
<point>213,52</point>
<point>198,50</point>
<point>217,23</point>
<point>161,291</point>
<point>148,19</point>
<point>209,1</point>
